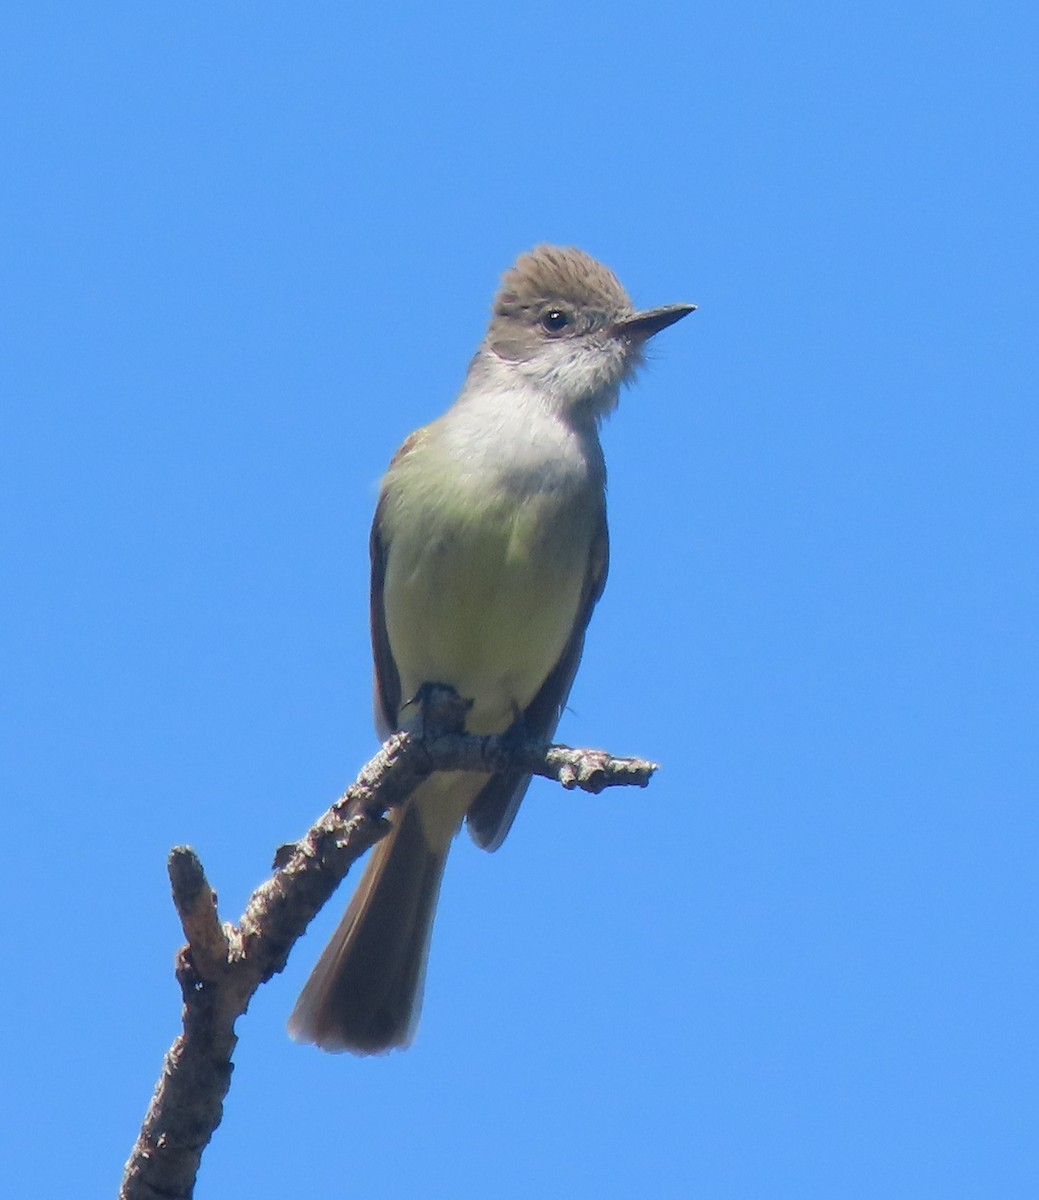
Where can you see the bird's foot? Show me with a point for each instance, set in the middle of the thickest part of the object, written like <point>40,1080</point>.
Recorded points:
<point>440,710</point>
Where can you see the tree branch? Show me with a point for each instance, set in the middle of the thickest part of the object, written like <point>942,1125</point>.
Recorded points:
<point>222,965</point>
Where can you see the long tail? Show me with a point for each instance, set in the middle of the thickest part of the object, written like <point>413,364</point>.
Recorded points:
<point>365,993</point>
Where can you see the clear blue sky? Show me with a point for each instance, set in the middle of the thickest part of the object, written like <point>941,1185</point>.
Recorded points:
<point>244,252</point>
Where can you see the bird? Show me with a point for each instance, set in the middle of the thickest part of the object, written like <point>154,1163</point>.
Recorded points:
<point>489,550</point>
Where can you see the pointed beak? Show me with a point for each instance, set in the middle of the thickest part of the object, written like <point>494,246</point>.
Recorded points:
<point>643,325</point>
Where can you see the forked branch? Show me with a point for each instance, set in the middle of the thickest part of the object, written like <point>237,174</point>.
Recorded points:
<point>222,965</point>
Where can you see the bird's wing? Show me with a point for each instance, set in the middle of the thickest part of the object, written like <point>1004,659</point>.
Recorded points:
<point>387,678</point>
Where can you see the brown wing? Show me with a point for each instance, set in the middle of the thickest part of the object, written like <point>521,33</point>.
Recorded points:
<point>491,814</point>
<point>387,678</point>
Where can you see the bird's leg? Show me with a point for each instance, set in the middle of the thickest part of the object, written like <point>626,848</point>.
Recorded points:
<point>440,710</point>
<point>517,734</point>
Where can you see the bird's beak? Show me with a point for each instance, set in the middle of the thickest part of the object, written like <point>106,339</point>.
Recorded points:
<point>643,325</point>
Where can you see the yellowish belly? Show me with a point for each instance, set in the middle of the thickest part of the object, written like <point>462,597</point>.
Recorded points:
<point>486,603</point>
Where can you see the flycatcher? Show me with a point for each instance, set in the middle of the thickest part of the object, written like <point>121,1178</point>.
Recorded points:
<point>489,552</point>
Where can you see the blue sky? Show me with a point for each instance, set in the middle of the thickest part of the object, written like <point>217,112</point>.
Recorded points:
<point>244,252</point>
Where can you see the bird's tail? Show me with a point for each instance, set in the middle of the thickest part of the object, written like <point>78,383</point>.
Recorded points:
<point>365,993</point>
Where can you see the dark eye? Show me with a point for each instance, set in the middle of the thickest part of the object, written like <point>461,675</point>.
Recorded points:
<point>555,320</point>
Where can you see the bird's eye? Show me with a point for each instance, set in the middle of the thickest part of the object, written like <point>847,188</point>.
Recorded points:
<point>555,320</point>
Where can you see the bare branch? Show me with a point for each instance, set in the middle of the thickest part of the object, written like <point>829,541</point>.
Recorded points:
<point>222,965</point>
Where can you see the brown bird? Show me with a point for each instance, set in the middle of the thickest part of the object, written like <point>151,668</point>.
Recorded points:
<point>489,551</point>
